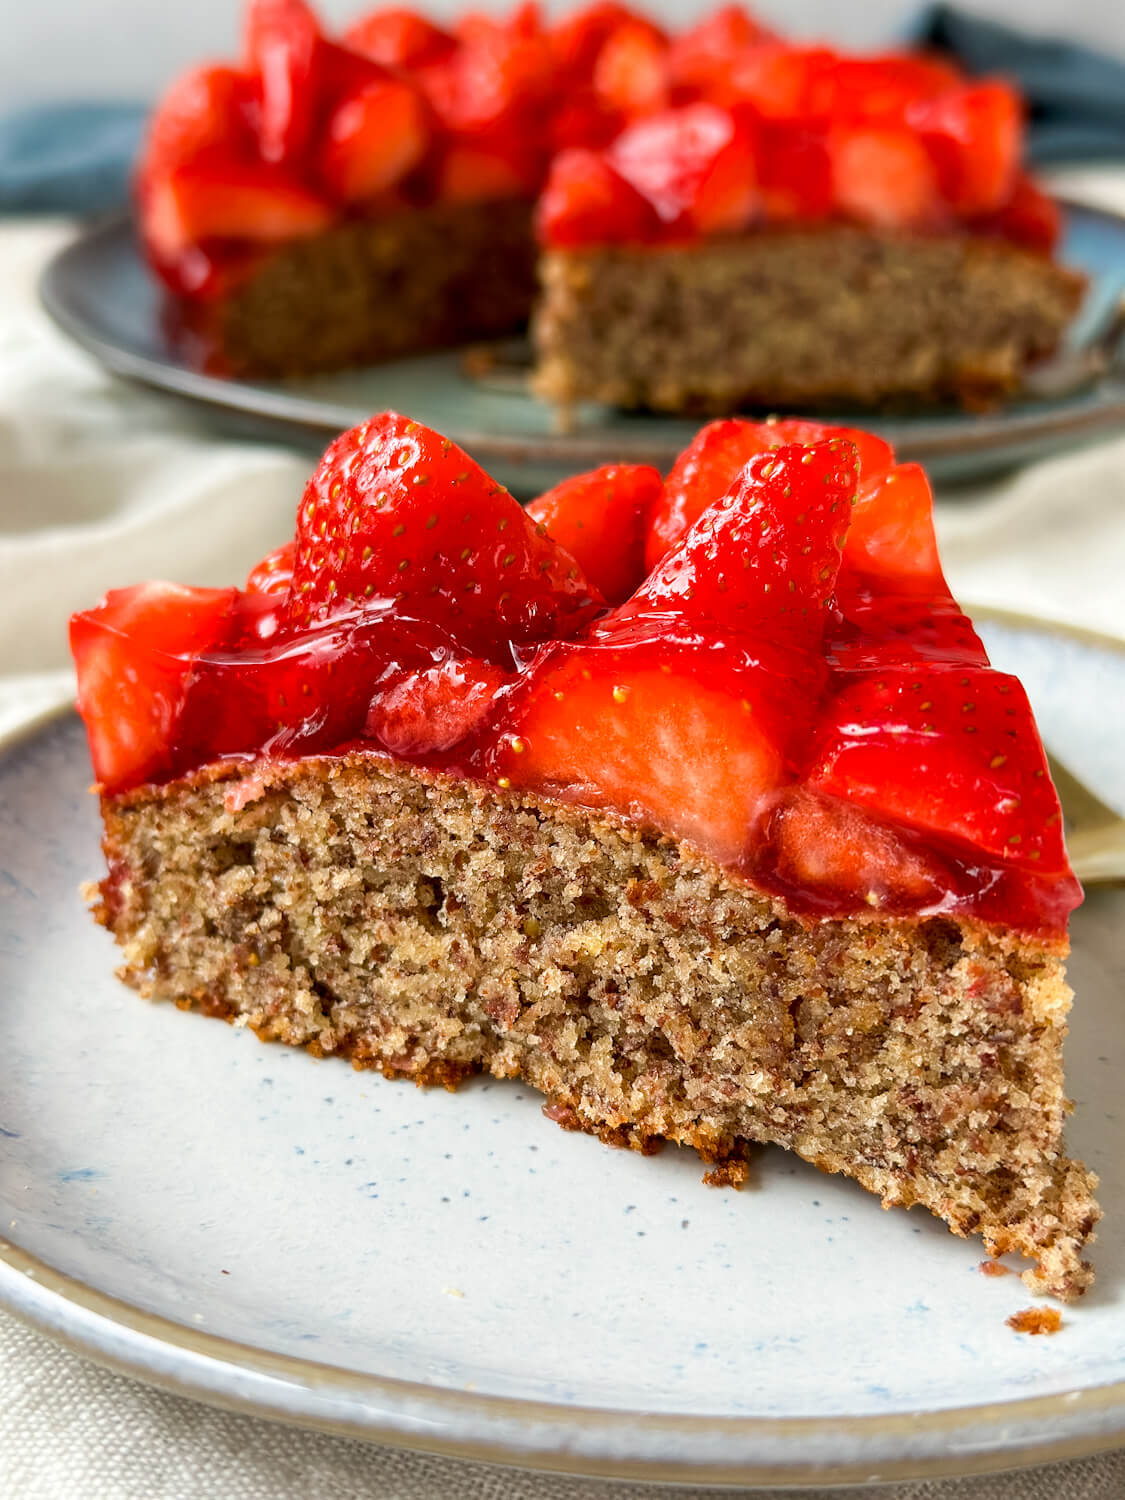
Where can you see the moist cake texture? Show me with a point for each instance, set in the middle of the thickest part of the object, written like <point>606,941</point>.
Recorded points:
<point>431,927</point>
<point>694,802</point>
<point>746,322</point>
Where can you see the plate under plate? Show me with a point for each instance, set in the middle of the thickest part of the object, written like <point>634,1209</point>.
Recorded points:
<point>259,1229</point>
<point>100,292</point>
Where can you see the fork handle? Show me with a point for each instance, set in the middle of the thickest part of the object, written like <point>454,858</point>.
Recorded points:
<point>1098,854</point>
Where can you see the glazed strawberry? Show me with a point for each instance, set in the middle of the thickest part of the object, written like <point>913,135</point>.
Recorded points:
<point>133,655</point>
<point>891,544</point>
<point>825,847</point>
<point>497,81</point>
<point>881,90</point>
<point>952,750</point>
<point>586,202</point>
<point>399,38</point>
<point>879,630</point>
<point>764,556</point>
<point>282,47</point>
<point>796,174</point>
<point>396,517</point>
<point>222,197</point>
<point>372,139</point>
<point>780,81</point>
<point>600,518</point>
<point>974,135</point>
<point>273,574</point>
<point>1030,218</point>
<point>630,74</point>
<point>205,109</point>
<point>708,466</point>
<point>696,165</point>
<point>883,176</point>
<point>580,36</point>
<point>583,120</point>
<point>433,708</point>
<point>689,740</point>
<point>476,172</point>
<point>703,53</point>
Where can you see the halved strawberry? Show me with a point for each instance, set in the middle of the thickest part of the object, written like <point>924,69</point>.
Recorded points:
<point>583,120</point>
<point>221,197</point>
<point>887,630</point>
<point>432,708</point>
<point>282,45</point>
<point>274,573</point>
<point>709,465</point>
<point>703,52</point>
<point>599,518</point>
<point>975,137</point>
<point>580,36</point>
<point>133,654</point>
<point>696,165</point>
<point>689,739</point>
<point>630,74</point>
<point>950,749</point>
<point>471,171</point>
<point>779,80</point>
<point>396,517</point>
<point>764,554</point>
<point>822,846</point>
<point>1029,218</point>
<point>205,109</point>
<point>497,82</point>
<point>891,544</point>
<point>881,90</point>
<point>399,38</point>
<point>586,202</point>
<point>796,174</point>
<point>882,175</point>
<point>372,139</point>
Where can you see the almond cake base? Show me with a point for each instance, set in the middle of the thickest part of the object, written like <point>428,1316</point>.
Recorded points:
<point>431,927</point>
<point>805,318</point>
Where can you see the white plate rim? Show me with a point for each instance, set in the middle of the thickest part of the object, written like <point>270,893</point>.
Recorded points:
<point>574,1440</point>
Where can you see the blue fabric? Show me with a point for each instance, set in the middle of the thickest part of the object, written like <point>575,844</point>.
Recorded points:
<point>68,158</point>
<point>76,158</point>
<point>1076,97</point>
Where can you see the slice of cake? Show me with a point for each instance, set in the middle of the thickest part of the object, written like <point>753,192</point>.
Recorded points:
<point>694,803</point>
<point>725,219</point>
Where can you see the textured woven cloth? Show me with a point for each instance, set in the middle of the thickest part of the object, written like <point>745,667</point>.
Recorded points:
<point>100,485</point>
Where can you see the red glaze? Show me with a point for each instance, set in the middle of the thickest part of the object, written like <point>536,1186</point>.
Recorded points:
<point>724,126</point>
<point>792,687</point>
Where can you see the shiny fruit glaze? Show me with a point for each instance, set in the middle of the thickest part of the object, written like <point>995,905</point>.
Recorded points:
<point>759,656</point>
<point>629,135</point>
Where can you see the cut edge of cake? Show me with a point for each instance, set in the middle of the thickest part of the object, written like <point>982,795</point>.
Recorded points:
<point>810,318</point>
<point>432,926</point>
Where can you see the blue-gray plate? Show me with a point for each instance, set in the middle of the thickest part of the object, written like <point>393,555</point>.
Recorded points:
<point>99,291</point>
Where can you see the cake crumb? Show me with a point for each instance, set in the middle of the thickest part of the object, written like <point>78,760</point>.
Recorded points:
<point>1036,1320</point>
<point>453,1291</point>
<point>732,1174</point>
<point>993,1268</point>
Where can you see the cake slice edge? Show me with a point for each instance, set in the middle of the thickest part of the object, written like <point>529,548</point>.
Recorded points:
<point>431,926</point>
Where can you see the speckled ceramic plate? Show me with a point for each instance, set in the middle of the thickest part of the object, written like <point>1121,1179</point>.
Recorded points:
<point>262,1230</point>
<point>99,292</point>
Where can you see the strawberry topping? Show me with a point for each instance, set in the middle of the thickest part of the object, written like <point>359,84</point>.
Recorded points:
<point>792,689</point>
<point>600,519</point>
<point>400,519</point>
<point>711,131</point>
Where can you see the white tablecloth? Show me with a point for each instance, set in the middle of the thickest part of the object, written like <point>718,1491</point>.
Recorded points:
<point>101,485</point>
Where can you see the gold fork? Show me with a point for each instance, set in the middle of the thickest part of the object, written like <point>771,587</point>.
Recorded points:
<point>1095,834</point>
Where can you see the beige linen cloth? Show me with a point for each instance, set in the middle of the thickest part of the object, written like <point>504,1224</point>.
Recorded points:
<point>102,485</point>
